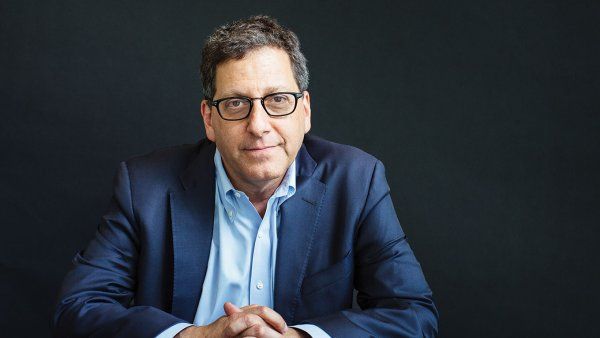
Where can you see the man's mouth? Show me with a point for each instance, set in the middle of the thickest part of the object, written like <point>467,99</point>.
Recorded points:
<point>259,150</point>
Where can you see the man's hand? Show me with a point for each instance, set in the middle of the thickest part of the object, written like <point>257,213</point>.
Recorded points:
<point>249,321</point>
<point>271,317</point>
<point>267,314</point>
<point>231,326</point>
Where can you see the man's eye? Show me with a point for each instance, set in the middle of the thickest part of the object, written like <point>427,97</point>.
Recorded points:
<point>279,98</point>
<point>235,103</point>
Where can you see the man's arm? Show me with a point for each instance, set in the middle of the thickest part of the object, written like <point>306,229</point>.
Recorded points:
<point>394,297</point>
<point>96,293</point>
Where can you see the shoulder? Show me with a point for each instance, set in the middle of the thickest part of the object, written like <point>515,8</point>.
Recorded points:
<point>164,157</point>
<point>340,161</point>
<point>327,152</point>
<point>162,165</point>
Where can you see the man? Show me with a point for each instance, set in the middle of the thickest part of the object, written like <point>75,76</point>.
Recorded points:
<point>256,228</point>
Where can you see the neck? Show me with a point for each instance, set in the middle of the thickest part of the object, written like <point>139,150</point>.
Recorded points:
<point>259,194</point>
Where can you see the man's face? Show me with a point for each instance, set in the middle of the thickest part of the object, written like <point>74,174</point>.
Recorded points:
<point>257,150</point>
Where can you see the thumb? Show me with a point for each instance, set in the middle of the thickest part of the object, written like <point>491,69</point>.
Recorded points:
<point>230,308</point>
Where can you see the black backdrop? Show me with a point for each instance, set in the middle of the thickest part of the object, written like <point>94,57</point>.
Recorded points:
<point>484,113</point>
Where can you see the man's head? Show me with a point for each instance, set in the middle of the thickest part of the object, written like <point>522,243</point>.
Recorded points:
<point>235,40</point>
<point>254,58</point>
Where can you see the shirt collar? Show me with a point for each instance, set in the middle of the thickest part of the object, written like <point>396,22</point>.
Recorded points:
<point>286,188</point>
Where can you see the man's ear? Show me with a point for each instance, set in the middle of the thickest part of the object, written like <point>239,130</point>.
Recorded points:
<point>307,111</point>
<point>206,112</point>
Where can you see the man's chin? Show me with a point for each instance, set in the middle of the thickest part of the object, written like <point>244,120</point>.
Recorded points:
<point>264,177</point>
<point>261,174</point>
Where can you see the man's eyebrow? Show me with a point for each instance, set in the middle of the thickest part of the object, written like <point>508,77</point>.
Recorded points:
<point>233,92</point>
<point>270,90</point>
<point>266,91</point>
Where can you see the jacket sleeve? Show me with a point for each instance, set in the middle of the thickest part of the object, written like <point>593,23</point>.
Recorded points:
<point>393,295</point>
<point>97,293</point>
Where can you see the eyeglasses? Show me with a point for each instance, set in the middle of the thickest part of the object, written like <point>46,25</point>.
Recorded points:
<point>238,108</point>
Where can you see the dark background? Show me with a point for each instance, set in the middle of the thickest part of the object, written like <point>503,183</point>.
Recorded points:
<point>484,113</point>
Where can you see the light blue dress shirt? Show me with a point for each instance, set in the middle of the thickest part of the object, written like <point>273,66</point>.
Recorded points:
<point>241,264</point>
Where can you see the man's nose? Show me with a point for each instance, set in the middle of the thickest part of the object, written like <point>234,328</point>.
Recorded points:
<point>258,121</point>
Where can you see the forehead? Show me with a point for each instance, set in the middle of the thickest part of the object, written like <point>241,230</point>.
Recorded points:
<point>259,72</point>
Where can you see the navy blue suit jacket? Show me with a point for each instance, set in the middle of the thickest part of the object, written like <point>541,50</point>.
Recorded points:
<point>145,267</point>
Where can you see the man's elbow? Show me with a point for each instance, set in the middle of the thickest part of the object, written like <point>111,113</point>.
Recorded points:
<point>428,316</point>
<point>59,321</point>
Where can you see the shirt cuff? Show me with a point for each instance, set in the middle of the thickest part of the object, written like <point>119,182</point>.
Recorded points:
<point>173,330</point>
<point>313,330</point>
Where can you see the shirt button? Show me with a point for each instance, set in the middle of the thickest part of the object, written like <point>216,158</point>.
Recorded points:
<point>259,285</point>
<point>230,213</point>
<point>237,194</point>
<point>259,235</point>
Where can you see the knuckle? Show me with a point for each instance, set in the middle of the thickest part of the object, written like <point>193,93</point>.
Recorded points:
<point>260,330</point>
<point>249,320</point>
<point>228,332</point>
<point>261,310</point>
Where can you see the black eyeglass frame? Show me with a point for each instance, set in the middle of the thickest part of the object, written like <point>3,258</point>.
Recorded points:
<point>215,103</point>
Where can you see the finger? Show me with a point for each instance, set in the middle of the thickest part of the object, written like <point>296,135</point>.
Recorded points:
<point>268,315</point>
<point>230,308</point>
<point>248,306</point>
<point>260,331</point>
<point>238,322</point>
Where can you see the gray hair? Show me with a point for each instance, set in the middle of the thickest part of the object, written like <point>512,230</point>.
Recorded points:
<point>234,40</point>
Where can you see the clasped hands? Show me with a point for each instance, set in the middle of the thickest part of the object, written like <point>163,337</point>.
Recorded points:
<point>249,321</point>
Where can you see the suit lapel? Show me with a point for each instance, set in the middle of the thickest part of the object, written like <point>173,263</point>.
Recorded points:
<point>297,228</point>
<point>192,217</point>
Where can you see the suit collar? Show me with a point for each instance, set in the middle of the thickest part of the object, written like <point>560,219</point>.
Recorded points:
<point>295,236</point>
<point>306,164</point>
<point>192,214</point>
<point>201,169</point>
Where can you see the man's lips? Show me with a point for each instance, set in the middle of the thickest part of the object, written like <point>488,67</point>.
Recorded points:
<point>258,148</point>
